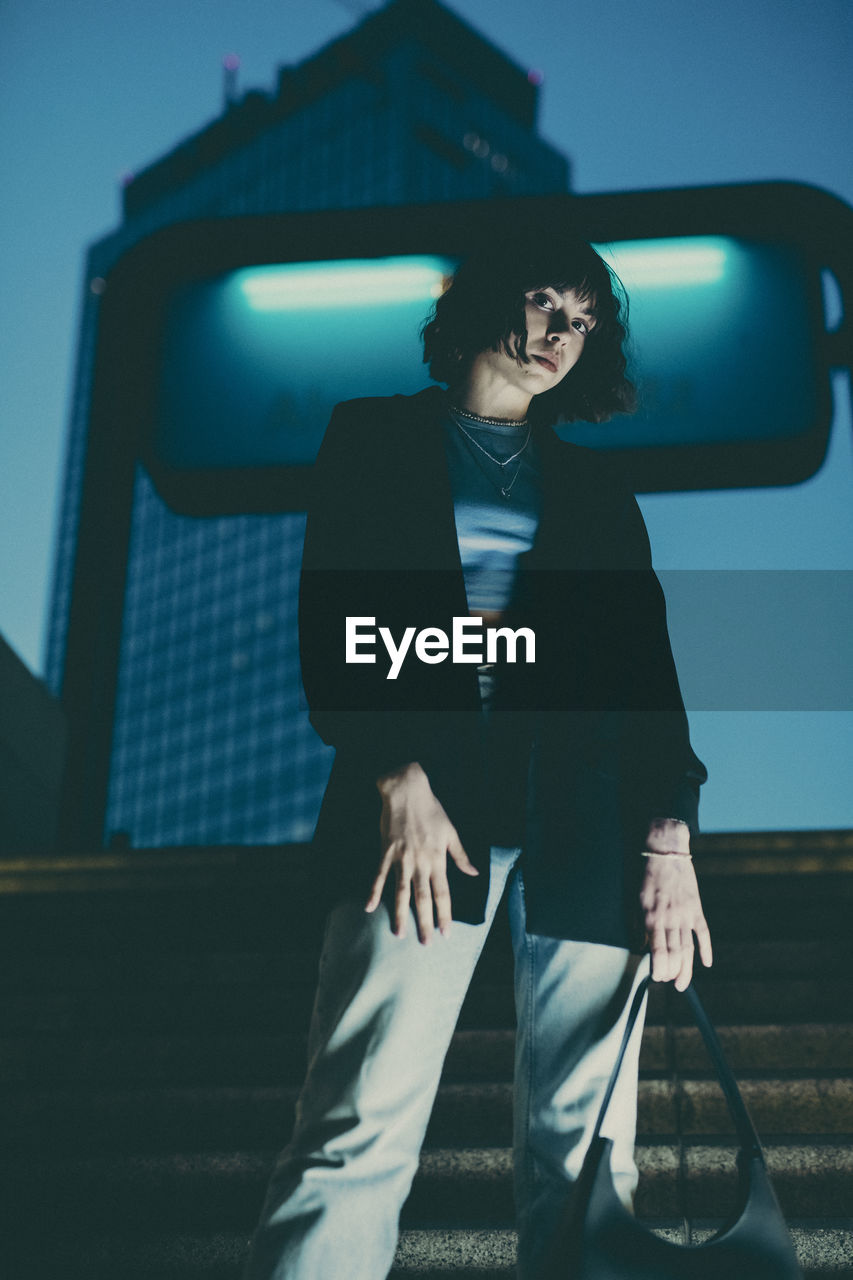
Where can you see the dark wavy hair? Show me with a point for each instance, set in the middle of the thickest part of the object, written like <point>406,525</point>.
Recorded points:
<point>483,310</point>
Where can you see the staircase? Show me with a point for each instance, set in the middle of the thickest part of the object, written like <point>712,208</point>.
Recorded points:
<point>153,1038</point>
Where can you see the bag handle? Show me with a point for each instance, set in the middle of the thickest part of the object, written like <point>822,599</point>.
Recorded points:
<point>747,1136</point>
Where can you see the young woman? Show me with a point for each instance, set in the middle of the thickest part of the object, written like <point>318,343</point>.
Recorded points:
<point>553,763</point>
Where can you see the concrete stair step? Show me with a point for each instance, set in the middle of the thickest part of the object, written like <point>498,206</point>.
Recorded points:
<point>464,1114</point>
<point>825,1253</point>
<point>254,1059</point>
<point>249,910</point>
<point>787,1106</point>
<point>791,1046</point>
<point>454,1188</point>
<point>746,1000</point>
<point>147,966</point>
<point>249,1007</point>
<point>145,1094</point>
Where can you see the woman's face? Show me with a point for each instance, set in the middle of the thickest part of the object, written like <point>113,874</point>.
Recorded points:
<point>558,325</point>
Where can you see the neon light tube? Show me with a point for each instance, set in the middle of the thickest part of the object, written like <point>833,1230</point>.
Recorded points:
<point>665,264</point>
<point>317,286</point>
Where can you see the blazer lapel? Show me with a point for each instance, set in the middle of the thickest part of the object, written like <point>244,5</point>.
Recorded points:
<point>425,495</point>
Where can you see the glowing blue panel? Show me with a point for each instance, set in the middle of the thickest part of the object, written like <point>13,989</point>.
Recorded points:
<point>310,286</point>
<point>721,344</point>
<point>669,264</point>
<point>254,361</point>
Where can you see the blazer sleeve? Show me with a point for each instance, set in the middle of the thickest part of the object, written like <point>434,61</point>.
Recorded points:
<point>663,773</point>
<point>340,577</point>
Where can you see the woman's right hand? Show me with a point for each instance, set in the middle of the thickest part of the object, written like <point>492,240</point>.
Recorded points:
<point>417,836</point>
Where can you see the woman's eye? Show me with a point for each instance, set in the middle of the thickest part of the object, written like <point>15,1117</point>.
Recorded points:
<point>542,300</point>
<point>581,326</point>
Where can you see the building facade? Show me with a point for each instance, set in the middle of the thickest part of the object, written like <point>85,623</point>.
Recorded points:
<point>211,743</point>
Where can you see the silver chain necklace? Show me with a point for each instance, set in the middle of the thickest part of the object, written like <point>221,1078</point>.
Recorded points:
<point>491,422</point>
<point>501,462</point>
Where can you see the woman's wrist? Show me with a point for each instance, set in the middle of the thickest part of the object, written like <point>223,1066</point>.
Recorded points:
<point>407,774</point>
<point>668,836</point>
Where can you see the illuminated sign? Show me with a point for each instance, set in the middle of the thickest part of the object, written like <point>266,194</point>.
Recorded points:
<point>254,360</point>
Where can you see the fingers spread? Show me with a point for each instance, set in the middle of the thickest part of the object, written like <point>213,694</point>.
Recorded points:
<point>660,955</point>
<point>673,912</point>
<point>375,894</point>
<point>460,857</point>
<point>401,899</point>
<point>379,883</point>
<point>703,938</point>
<point>685,961</point>
<point>441,896</point>
<point>423,905</point>
<point>421,885</point>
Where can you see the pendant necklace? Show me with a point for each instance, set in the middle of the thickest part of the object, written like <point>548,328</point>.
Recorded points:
<point>503,489</point>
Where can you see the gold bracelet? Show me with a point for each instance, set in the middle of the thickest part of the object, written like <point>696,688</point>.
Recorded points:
<point>665,853</point>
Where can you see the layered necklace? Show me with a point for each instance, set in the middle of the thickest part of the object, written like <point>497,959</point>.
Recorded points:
<point>503,485</point>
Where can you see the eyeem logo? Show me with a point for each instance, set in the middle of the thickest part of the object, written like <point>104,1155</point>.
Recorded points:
<point>432,645</point>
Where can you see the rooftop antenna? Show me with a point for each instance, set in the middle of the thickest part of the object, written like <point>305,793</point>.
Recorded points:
<point>230,67</point>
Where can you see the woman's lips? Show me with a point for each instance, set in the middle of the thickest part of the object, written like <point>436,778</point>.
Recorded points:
<point>546,362</point>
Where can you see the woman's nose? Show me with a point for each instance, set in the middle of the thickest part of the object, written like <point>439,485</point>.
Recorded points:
<point>558,328</point>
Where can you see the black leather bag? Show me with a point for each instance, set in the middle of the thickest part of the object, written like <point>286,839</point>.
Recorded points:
<point>600,1240</point>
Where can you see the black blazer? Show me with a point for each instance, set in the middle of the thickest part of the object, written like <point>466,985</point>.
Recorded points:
<point>601,705</point>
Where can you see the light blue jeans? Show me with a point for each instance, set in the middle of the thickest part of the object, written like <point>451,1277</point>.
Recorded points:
<point>384,1016</point>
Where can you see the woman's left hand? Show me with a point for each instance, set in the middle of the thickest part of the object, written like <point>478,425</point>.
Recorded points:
<point>672,908</point>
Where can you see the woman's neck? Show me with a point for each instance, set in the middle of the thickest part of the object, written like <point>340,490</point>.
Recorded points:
<point>490,397</point>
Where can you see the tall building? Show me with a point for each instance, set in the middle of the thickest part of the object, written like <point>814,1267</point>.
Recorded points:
<point>210,744</point>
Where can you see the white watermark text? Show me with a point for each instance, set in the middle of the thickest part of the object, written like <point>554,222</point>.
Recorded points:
<point>469,641</point>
